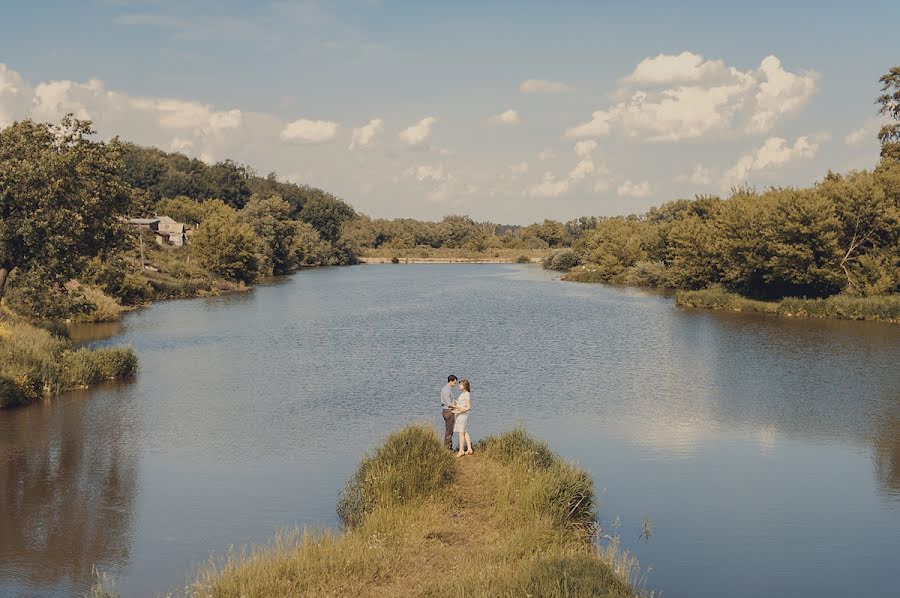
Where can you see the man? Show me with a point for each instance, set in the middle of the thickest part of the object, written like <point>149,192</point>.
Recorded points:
<point>447,399</point>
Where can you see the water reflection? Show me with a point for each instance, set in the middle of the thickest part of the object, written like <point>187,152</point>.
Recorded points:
<point>67,494</point>
<point>740,435</point>
<point>886,455</point>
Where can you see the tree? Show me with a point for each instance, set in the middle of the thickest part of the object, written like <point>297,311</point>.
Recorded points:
<point>326,214</point>
<point>227,247</point>
<point>801,238</point>
<point>61,198</point>
<point>889,100</point>
<point>868,214</point>
<point>270,219</point>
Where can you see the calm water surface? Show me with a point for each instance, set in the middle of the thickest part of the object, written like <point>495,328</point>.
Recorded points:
<point>765,451</point>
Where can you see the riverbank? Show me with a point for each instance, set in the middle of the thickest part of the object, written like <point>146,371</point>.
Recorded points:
<point>512,520</point>
<point>447,260</point>
<point>843,307</point>
<point>443,255</point>
<point>878,308</point>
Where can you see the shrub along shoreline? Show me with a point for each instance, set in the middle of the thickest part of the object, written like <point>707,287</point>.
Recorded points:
<point>512,520</point>
<point>36,364</point>
<point>884,308</point>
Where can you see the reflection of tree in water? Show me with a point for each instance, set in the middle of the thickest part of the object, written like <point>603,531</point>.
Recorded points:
<point>67,490</point>
<point>886,455</point>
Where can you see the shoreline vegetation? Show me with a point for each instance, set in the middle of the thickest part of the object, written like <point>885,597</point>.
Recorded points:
<point>73,247</point>
<point>512,520</point>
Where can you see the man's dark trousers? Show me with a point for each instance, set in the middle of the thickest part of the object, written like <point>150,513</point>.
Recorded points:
<point>449,420</point>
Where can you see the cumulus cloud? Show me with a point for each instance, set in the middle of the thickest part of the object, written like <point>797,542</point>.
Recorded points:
<point>549,186</point>
<point>166,122</point>
<point>419,132</point>
<point>585,148</point>
<point>507,117</point>
<point>672,68</point>
<point>543,86</point>
<point>582,169</point>
<point>774,153</point>
<point>629,189</point>
<point>365,134</point>
<point>304,130</point>
<point>699,176</point>
<point>869,131</point>
<point>678,97</point>
<point>546,155</point>
<point>519,169</point>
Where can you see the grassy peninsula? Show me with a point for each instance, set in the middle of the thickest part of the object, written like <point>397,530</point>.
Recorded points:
<point>512,520</point>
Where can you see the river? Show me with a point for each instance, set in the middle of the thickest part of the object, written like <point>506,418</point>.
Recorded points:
<point>765,452</point>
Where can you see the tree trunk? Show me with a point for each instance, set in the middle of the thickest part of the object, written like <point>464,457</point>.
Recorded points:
<point>4,274</point>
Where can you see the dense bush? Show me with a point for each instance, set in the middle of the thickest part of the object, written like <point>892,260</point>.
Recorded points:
<point>411,463</point>
<point>563,259</point>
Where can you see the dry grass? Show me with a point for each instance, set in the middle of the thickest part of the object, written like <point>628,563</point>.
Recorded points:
<point>504,527</point>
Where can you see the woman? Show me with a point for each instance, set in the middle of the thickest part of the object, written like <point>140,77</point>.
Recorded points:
<point>461,409</point>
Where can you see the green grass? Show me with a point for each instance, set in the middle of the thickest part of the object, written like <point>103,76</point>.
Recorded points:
<point>410,464</point>
<point>512,520</point>
<point>35,364</point>
<point>885,308</point>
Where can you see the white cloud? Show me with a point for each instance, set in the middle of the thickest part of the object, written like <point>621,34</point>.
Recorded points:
<point>629,189</point>
<point>596,127</point>
<point>699,176</point>
<point>549,186</point>
<point>305,130</point>
<point>781,93</point>
<point>419,132</point>
<point>546,155</point>
<point>673,98</point>
<point>671,68</point>
<point>601,185</point>
<point>519,169</point>
<point>15,96</point>
<point>582,169</point>
<point>365,134</point>
<point>507,117</point>
<point>543,86</point>
<point>774,153</point>
<point>181,145</point>
<point>585,148</point>
<point>869,131</point>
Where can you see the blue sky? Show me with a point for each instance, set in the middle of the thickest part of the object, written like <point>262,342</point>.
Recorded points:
<point>636,103</point>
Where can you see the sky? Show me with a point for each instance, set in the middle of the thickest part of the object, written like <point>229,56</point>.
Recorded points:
<point>511,112</point>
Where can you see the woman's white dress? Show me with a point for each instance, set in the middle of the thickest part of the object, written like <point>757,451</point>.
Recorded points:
<point>462,419</point>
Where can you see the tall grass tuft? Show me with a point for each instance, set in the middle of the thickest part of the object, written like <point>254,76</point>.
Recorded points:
<point>555,488</point>
<point>35,364</point>
<point>411,463</point>
<point>882,308</point>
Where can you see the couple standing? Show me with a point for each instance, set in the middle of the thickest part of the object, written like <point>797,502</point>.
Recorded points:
<point>455,410</point>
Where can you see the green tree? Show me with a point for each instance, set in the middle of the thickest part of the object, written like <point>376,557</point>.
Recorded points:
<point>889,102</point>
<point>61,198</point>
<point>181,208</point>
<point>270,219</point>
<point>802,242</point>
<point>227,247</point>
<point>326,214</point>
<point>867,210</point>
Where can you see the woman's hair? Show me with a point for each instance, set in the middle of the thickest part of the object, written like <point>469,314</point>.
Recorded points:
<point>465,384</point>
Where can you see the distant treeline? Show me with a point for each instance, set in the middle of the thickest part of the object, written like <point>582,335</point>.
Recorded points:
<point>64,199</point>
<point>842,235</point>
